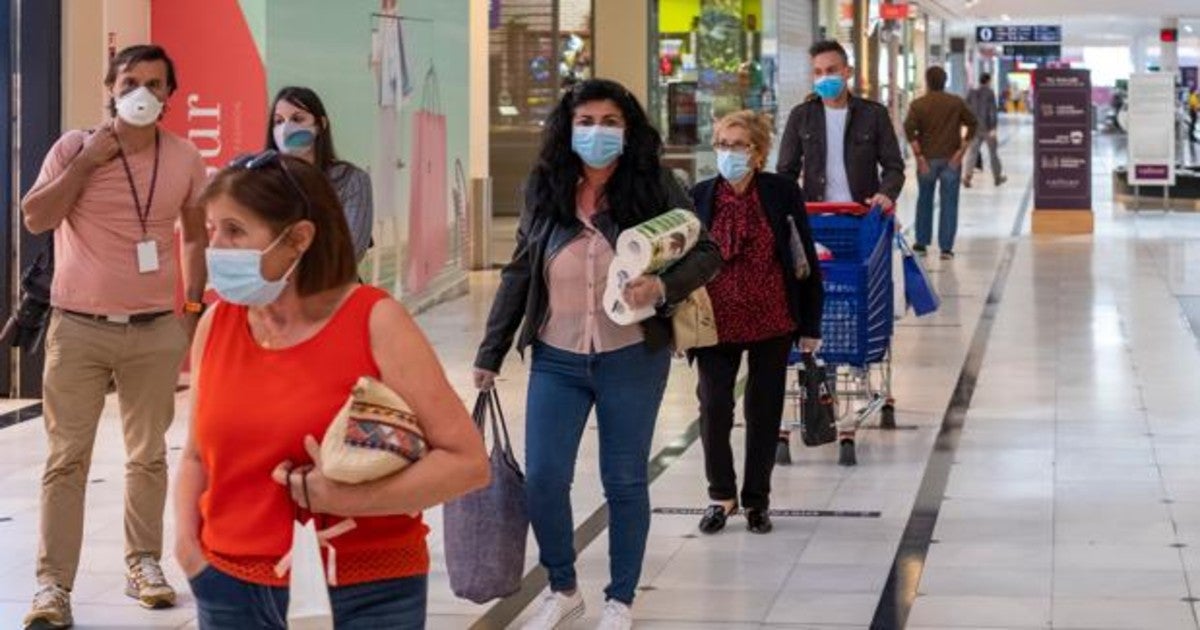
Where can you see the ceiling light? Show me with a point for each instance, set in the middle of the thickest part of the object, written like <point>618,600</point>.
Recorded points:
<point>1187,28</point>
<point>1005,17</point>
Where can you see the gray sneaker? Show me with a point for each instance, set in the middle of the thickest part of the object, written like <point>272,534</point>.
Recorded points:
<point>51,609</point>
<point>146,583</point>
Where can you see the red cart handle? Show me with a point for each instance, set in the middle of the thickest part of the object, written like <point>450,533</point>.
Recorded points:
<point>836,207</point>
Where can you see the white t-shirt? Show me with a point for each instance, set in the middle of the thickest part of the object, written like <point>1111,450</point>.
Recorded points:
<point>837,183</point>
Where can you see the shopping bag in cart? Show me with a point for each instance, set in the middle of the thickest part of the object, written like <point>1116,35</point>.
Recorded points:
<point>817,418</point>
<point>918,290</point>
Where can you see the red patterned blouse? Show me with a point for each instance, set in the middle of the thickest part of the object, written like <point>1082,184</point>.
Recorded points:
<point>749,296</point>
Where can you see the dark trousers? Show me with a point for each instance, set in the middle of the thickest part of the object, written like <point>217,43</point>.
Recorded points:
<point>763,406</point>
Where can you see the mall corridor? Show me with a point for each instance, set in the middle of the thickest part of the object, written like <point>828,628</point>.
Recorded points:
<point>1047,434</point>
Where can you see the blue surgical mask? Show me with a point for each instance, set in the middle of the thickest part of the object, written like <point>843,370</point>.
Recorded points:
<point>598,146</point>
<point>293,138</point>
<point>733,165</point>
<point>236,275</point>
<point>830,86</point>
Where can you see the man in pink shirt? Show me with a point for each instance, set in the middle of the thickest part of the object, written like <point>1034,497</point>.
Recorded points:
<point>113,196</point>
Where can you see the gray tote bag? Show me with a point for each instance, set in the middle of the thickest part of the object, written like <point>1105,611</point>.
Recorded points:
<point>486,530</point>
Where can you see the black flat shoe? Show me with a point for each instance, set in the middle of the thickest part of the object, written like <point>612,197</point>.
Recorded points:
<point>714,518</point>
<point>758,521</point>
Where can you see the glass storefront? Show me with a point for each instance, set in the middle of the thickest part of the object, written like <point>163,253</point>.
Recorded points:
<point>536,49</point>
<point>712,57</point>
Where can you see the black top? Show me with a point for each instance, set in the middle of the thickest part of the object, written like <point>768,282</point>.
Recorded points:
<point>780,197</point>
<point>873,161</point>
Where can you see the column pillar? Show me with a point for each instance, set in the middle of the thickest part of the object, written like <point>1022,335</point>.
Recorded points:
<point>622,32</point>
<point>479,216</point>
<point>1169,56</point>
<point>92,30</point>
<point>864,62</point>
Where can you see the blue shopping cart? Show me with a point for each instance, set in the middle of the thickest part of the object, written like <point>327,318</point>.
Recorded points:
<point>856,323</point>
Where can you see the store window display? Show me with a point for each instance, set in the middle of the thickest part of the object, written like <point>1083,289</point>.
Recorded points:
<point>711,61</point>
<point>537,48</point>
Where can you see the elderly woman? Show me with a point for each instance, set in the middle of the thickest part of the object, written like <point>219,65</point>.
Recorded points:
<point>761,308</point>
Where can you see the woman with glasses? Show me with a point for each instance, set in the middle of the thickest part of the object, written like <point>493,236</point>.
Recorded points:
<point>761,309</point>
<point>598,173</point>
<point>300,127</point>
<point>272,364</point>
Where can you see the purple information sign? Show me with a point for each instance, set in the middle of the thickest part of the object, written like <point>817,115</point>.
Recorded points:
<point>1063,136</point>
<point>1152,171</point>
<point>1190,77</point>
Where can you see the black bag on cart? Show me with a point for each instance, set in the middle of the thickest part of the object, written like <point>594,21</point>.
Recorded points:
<point>817,424</point>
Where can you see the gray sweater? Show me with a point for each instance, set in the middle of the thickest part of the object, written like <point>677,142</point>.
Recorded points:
<point>353,186</point>
<point>982,101</point>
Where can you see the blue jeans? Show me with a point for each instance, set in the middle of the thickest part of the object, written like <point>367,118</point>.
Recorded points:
<point>626,388</point>
<point>940,172</point>
<point>224,602</point>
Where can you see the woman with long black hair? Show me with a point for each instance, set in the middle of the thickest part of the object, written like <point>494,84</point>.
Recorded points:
<point>300,127</point>
<point>598,173</point>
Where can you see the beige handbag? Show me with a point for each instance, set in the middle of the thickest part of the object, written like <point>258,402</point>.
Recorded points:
<point>374,435</point>
<point>693,323</point>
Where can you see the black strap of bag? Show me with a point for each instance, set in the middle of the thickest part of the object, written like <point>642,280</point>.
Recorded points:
<point>26,327</point>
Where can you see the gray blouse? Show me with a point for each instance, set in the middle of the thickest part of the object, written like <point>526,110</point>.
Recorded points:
<point>353,186</point>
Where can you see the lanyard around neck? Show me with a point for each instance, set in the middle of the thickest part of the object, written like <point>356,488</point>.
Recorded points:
<point>143,213</point>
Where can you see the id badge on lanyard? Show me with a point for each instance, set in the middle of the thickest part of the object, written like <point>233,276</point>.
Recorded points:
<point>147,256</point>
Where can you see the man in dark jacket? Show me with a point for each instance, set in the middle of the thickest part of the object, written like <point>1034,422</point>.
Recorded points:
<point>982,101</point>
<point>844,146</point>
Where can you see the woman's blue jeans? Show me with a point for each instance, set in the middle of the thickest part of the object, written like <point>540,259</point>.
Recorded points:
<point>224,602</point>
<point>625,387</point>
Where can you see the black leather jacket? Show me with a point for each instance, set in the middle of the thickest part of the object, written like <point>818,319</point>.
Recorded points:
<point>873,161</point>
<point>524,296</point>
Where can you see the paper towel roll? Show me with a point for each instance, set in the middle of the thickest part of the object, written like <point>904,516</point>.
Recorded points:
<point>647,248</point>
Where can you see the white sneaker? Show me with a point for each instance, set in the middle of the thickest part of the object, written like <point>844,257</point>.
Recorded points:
<point>558,610</point>
<point>617,616</point>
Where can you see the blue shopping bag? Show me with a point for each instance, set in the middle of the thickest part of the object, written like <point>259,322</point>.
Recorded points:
<point>918,290</point>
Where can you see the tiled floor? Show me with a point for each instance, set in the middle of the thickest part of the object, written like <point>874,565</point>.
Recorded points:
<point>1073,501</point>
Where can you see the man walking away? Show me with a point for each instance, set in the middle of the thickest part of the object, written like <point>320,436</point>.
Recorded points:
<point>982,101</point>
<point>934,128</point>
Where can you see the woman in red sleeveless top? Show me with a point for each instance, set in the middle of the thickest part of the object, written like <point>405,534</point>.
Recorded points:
<point>273,362</point>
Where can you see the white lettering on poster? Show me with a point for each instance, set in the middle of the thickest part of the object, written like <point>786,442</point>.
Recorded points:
<point>204,129</point>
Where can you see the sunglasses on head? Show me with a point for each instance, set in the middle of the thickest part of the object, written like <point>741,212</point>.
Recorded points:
<point>267,159</point>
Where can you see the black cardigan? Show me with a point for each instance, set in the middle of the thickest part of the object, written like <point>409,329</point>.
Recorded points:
<point>780,197</point>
